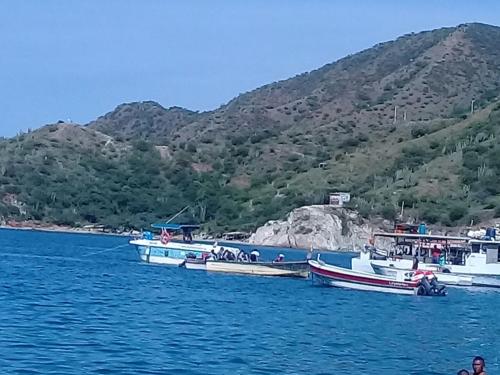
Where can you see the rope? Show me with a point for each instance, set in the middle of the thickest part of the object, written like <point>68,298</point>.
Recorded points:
<point>106,250</point>
<point>61,257</point>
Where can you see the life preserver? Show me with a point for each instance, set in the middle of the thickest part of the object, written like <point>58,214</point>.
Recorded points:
<point>420,274</point>
<point>165,236</point>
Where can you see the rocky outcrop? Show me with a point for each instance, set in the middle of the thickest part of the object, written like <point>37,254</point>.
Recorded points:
<point>321,227</point>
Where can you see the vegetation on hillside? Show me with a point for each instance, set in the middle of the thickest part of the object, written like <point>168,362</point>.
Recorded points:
<point>259,156</point>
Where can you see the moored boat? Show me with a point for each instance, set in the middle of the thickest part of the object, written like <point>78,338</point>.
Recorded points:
<point>165,250</point>
<point>284,269</point>
<point>453,259</point>
<point>405,283</point>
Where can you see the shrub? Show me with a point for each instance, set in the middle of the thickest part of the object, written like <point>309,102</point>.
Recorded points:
<point>191,148</point>
<point>418,132</point>
<point>457,212</point>
<point>350,142</point>
<point>497,212</point>
<point>430,216</point>
<point>388,212</point>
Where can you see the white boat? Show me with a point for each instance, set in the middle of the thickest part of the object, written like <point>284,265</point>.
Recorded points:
<point>345,278</point>
<point>482,258</point>
<point>166,251</point>
<point>459,255</point>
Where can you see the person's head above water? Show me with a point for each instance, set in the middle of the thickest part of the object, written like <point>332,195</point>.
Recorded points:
<point>478,365</point>
<point>463,372</point>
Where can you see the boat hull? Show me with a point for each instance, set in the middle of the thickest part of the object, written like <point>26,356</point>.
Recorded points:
<point>172,253</point>
<point>482,270</point>
<point>283,269</point>
<point>164,260</point>
<point>345,278</point>
<point>195,264</point>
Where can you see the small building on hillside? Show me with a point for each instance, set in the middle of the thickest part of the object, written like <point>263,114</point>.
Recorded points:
<point>235,236</point>
<point>338,199</point>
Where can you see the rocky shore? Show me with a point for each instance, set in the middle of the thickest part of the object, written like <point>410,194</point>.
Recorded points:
<point>321,227</point>
<point>62,229</point>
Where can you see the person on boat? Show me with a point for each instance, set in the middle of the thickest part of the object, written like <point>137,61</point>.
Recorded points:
<point>279,258</point>
<point>223,253</point>
<point>435,254</point>
<point>213,255</point>
<point>442,259</point>
<point>230,256</point>
<point>254,256</point>
<point>415,263</point>
<point>187,237</point>
<point>463,372</point>
<point>243,257</point>
<point>478,366</point>
<point>310,253</point>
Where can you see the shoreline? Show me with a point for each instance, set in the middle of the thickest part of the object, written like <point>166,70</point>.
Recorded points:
<point>64,230</point>
<point>67,230</point>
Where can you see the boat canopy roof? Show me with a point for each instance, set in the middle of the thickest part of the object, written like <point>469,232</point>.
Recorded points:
<point>483,242</point>
<point>173,227</point>
<point>416,236</point>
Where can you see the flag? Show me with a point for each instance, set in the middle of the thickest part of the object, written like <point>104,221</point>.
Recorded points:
<point>165,236</point>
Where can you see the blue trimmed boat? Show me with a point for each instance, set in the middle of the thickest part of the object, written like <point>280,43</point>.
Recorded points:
<point>165,250</point>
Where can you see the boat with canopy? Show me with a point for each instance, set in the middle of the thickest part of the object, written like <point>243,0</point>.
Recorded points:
<point>167,250</point>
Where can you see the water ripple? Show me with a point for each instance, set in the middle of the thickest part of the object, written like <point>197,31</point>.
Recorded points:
<point>66,310</point>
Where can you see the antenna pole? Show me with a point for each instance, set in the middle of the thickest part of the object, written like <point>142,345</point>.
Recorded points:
<point>177,214</point>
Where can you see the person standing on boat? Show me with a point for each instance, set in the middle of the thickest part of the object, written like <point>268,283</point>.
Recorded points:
<point>213,255</point>
<point>415,263</point>
<point>254,256</point>
<point>478,366</point>
<point>435,254</point>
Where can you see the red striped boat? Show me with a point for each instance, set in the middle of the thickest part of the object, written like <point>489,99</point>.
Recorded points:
<point>346,278</point>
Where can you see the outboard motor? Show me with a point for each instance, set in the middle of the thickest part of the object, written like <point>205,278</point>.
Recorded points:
<point>430,287</point>
<point>428,284</point>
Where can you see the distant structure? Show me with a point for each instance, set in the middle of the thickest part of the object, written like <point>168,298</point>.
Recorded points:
<point>338,199</point>
<point>234,236</point>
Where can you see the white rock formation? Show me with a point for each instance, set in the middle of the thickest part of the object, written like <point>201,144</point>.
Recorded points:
<point>322,227</point>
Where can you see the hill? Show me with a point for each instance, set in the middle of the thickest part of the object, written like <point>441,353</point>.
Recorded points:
<point>390,124</point>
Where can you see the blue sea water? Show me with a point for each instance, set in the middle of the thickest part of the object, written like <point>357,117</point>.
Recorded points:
<point>70,306</point>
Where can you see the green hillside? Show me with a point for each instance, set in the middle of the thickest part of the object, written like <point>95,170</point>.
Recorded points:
<point>389,124</point>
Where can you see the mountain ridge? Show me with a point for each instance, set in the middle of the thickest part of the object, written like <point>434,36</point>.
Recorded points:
<point>383,123</point>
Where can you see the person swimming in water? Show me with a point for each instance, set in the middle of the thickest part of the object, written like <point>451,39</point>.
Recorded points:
<point>478,366</point>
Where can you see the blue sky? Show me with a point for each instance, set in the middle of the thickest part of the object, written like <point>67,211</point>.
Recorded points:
<point>66,59</point>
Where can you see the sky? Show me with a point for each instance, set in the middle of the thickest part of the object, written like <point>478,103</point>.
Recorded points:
<point>77,60</point>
